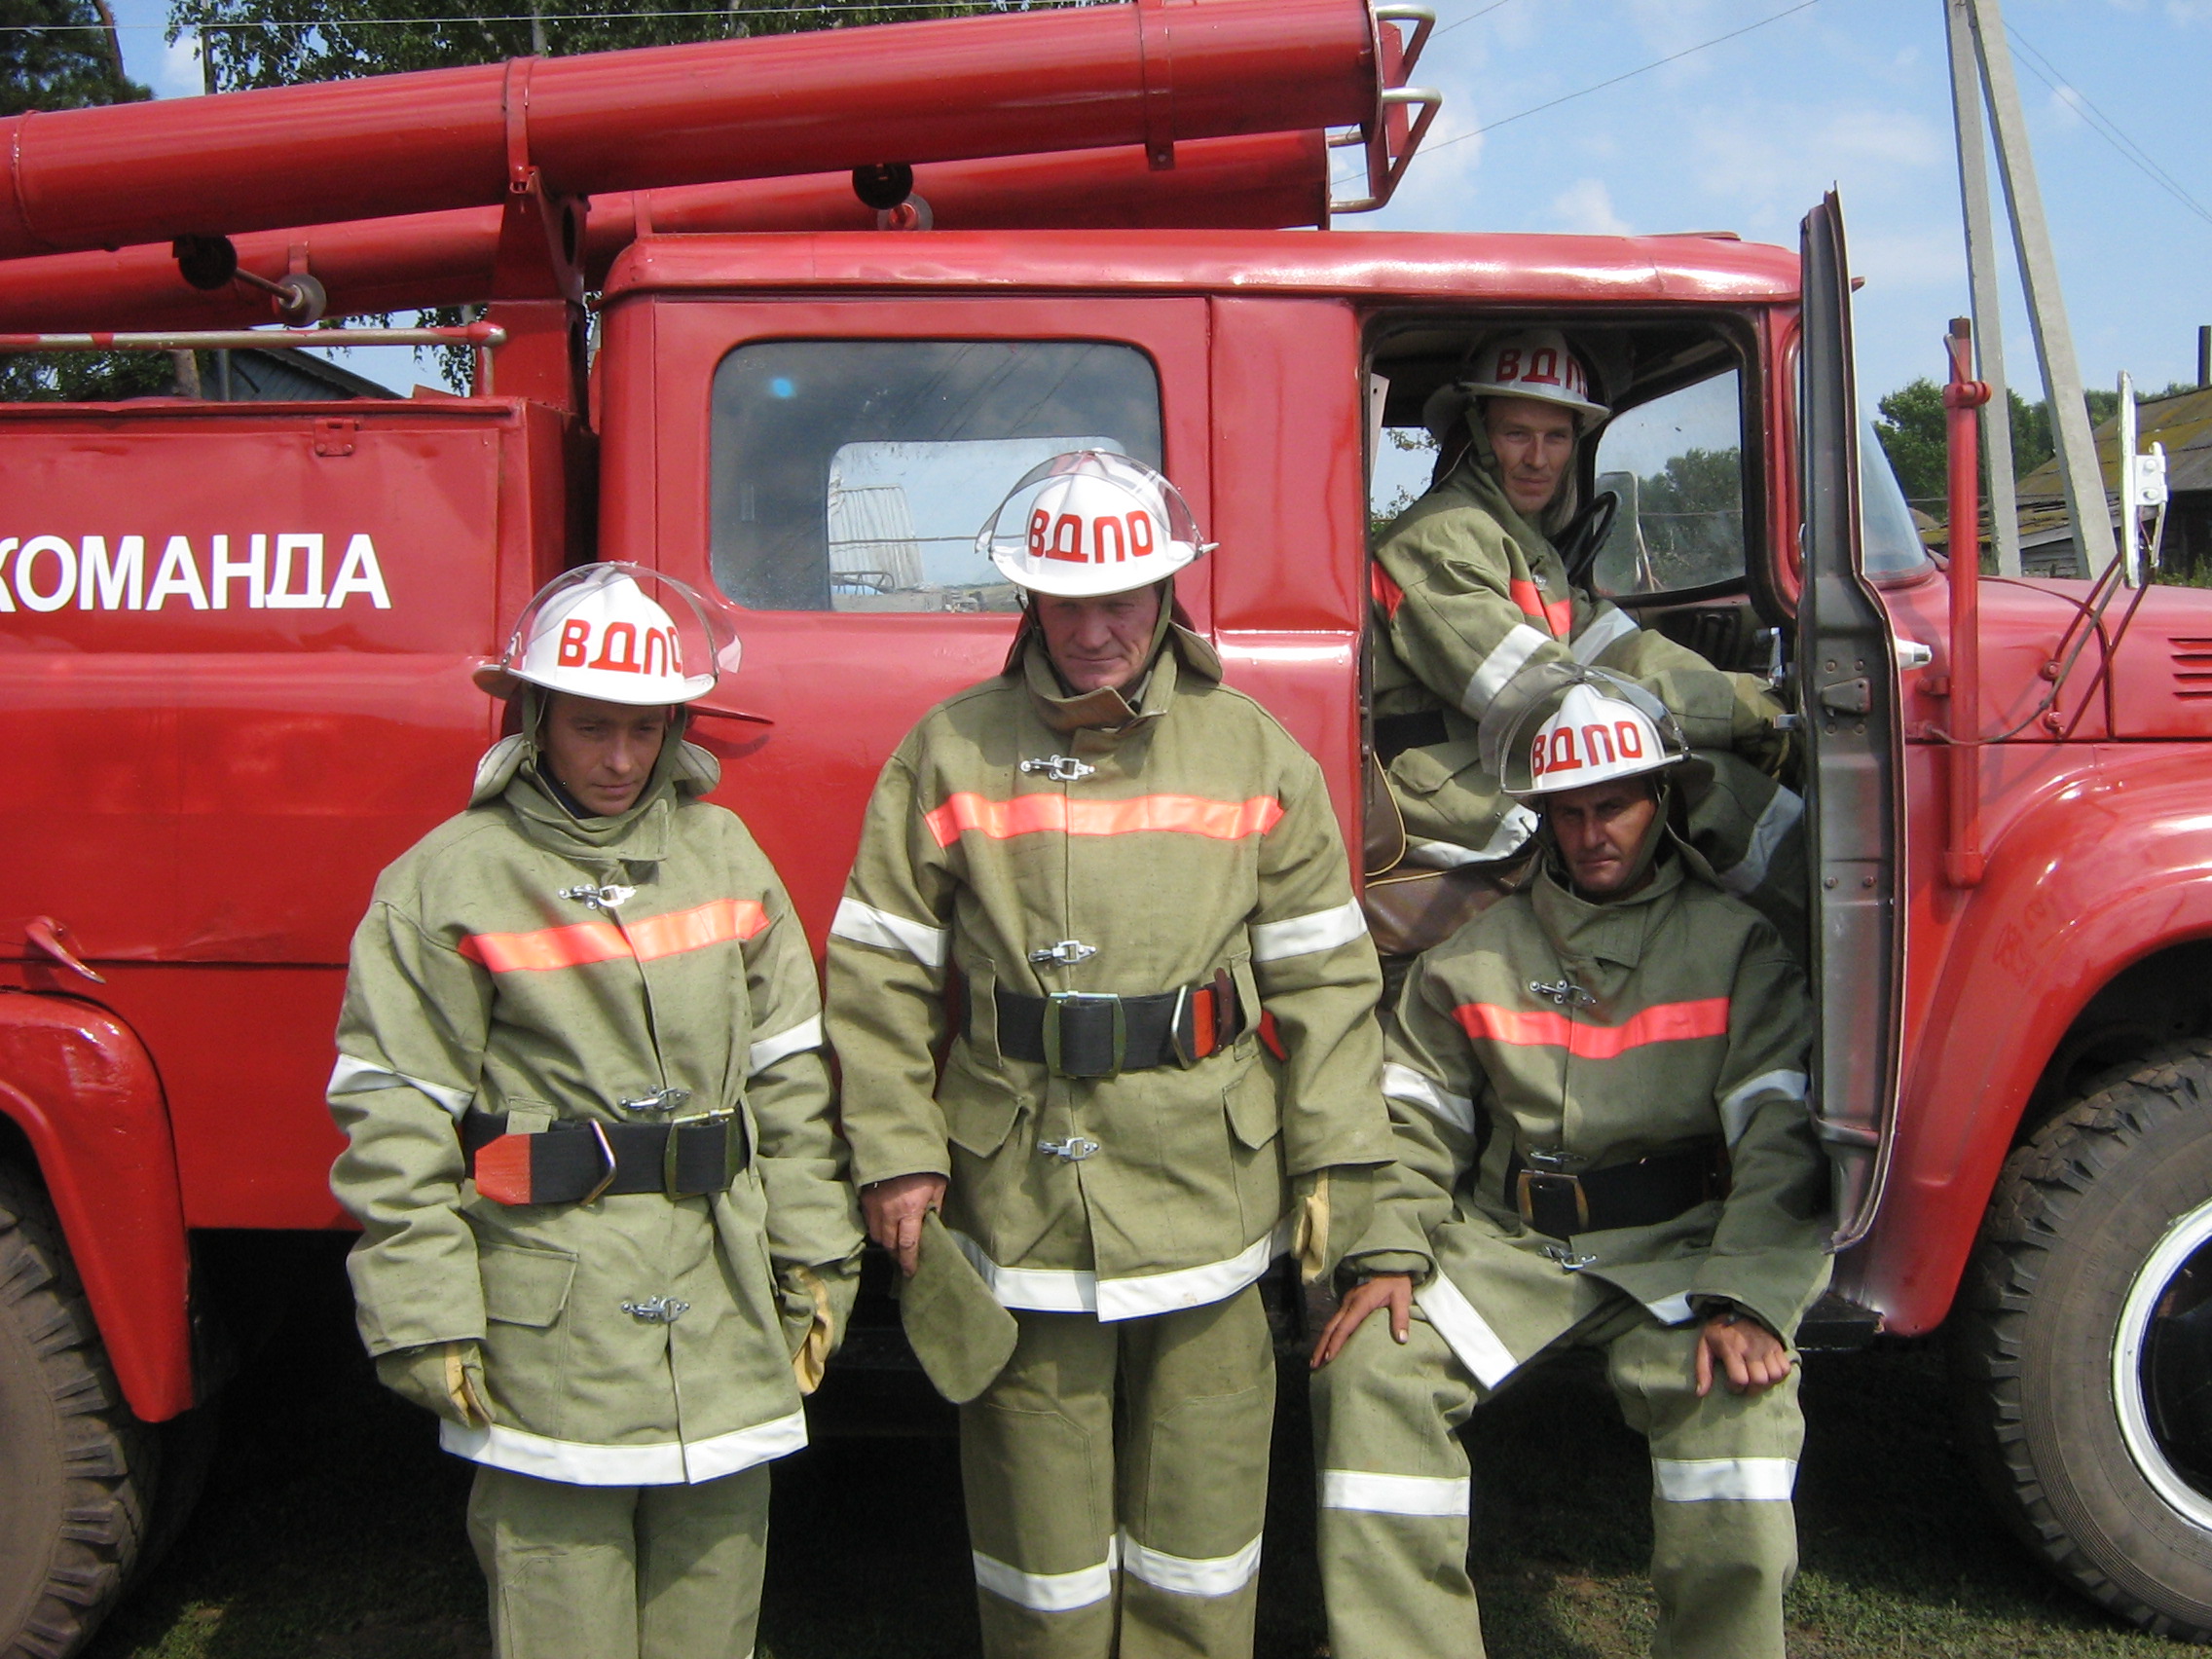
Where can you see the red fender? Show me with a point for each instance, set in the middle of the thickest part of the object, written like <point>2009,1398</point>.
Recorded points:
<point>83,1088</point>
<point>2074,894</point>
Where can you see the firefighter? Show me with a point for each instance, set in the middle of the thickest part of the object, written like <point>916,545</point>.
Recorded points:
<point>1469,592</point>
<point>1599,1093</point>
<point>606,1232</point>
<point>1083,881</point>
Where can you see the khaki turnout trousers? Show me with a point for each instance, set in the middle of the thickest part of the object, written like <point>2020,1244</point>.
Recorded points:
<point>1117,1481</point>
<point>1395,1491</point>
<point>621,1572</point>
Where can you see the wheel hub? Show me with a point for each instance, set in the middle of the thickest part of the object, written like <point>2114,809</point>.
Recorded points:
<point>2161,1370</point>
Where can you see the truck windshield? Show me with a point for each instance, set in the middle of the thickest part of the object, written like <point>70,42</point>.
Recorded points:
<point>854,475</point>
<point>1676,463</point>
<point>1889,540</point>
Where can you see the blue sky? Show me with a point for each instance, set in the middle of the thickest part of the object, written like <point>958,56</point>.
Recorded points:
<point>1745,136</point>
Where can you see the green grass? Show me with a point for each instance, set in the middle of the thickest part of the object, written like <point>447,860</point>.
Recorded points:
<point>332,1530</point>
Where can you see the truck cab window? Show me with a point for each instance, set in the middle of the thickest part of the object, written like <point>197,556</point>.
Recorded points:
<point>1677,463</point>
<point>852,474</point>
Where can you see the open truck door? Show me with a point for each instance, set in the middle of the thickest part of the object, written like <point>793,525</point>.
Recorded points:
<point>1848,702</point>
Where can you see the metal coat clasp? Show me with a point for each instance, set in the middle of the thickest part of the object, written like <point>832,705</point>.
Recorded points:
<point>1068,952</point>
<point>1060,768</point>
<point>658,1309</point>
<point>1074,1150</point>
<point>607,897</point>
<point>669,1099</point>
<point>1565,994</point>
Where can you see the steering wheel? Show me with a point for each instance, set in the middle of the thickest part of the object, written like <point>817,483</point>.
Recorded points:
<point>1585,533</point>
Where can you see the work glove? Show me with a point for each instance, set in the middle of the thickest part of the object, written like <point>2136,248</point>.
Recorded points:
<point>1332,1210</point>
<point>817,1303</point>
<point>443,1378</point>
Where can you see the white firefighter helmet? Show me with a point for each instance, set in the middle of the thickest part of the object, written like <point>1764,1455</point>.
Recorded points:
<point>1536,364</point>
<point>1591,738</point>
<point>595,632</point>
<point>1089,522</point>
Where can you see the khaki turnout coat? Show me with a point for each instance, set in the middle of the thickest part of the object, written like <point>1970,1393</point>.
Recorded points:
<point>518,960</point>
<point>1606,1033</point>
<point>1468,594</point>
<point>1154,846</point>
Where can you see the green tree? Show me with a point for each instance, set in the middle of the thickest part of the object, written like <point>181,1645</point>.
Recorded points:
<point>62,54</point>
<point>1691,513</point>
<point>276,43</point>
<point>1913,435</point>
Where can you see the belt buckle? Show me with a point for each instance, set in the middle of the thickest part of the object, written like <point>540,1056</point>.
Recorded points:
<point>1532,1182</point>
<point>1056,1005</point>
<point>669,1150</point>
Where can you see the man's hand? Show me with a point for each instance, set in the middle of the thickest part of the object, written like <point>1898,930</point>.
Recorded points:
<point>895,1208</point>
<point>1752,1355</point>
<point>1394,1291</point>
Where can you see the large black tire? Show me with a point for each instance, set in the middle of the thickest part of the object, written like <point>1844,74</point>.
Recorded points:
<point>2080,1341</point>
<point>75,1466</point>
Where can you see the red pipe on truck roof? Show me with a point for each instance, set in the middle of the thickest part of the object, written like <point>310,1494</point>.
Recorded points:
<point>1154,73</point>
<point>1268,181</point>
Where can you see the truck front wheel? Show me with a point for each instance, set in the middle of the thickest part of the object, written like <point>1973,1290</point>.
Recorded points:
<point>75,1465</point>
<point>2081,1346</point>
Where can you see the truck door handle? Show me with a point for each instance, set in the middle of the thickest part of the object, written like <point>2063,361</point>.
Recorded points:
<point>45,933</point>
<point>731,714</point>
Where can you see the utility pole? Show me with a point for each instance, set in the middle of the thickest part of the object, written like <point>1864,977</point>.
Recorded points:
<point>1982,275</point>
<point>2077,470</point>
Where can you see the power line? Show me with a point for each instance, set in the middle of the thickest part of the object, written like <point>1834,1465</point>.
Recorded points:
<point>1630,75</point>
<point>2107,128</point>
<point>1458,22</point>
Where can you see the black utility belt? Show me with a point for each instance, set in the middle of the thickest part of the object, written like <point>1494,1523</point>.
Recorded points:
<point>1644,1193</point>
<point>1087,1034</point>
<point>1394,734</point>
<point>576,1163</point>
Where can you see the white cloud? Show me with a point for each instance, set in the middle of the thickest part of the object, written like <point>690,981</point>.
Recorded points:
<point>178,74</point>
<point>1586,207</point>
<point>2066,104</point>
<point>1883,135</point>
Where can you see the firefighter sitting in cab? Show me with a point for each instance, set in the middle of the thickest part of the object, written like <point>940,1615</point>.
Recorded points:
<point>607,1234</point>
<point>1599,1093</point>
<point>1081,882</point>
<point>1469,592</point>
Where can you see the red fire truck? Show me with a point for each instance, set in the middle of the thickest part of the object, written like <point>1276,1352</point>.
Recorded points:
<point>236,643</point>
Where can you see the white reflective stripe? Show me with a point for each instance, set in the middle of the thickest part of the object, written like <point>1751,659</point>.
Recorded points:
<point>1324,930</point>
<point>359,1076</point>
<point>1591,644</point>
<point>1501,666</point>
<point>1048,1592</point>
<point>805,1035</point>
<point>864,924</point>
<point>1465,1332</point>
<point>1510,837</point>
<point>1417,1089</point>
<point>1669,1309</point>
<point>1040,1290</point>
<point>1782,812</point>
<point>1078,1290</point>
<point>1395,1495</point>
<point>665,1462</point>
<point>1189,1287</point>
<point>1186,1575</point>
<point>1705,1480</point>
<point>1738,1103</point>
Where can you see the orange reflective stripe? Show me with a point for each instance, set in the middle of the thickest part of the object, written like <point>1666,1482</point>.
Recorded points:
<point>1556,615</point>
<point>715,922</point>
<point>1388,594</point>
<point>1662,1023</point>
<point>1031,813</point>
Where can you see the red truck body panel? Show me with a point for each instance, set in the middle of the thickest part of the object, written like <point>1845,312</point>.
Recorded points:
<point>248,769</point>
